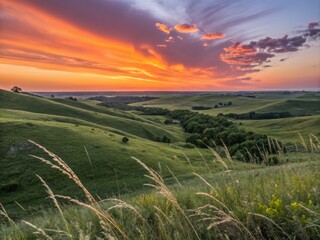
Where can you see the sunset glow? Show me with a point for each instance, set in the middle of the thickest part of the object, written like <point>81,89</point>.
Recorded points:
<point>124,45</point>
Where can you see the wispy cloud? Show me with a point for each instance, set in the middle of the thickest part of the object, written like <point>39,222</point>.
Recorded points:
<point>211,36</point>
<point>186,28</point>
<point>164,28</point>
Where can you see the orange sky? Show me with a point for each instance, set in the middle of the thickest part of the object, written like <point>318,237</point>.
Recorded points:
<point>40,51</point>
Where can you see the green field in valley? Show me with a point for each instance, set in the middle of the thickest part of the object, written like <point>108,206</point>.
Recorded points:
<point>296,103</point>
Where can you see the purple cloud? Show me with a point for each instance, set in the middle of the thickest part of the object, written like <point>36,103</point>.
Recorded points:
<point>246,57</point>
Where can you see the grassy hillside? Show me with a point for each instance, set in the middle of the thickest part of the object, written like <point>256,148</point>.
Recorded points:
<point>279,202</point>
<point>112,167</point>
<point>238,200</point>
<point>298,104</point>
<point>68,131</point>
<point>286,129</point>
<point>297,107</point>
<point>47,106</point>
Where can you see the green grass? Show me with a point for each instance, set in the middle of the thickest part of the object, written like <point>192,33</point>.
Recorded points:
<point>297,104</point>
<point>112,167</point>
<point>296,107</point>
<point>283,200</point>
<point>46,106</point>
<point>111,159</point>
<point>280,202</point>
<point>285,129</point>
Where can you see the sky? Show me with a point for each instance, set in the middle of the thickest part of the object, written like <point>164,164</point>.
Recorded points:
<point>160,45</point>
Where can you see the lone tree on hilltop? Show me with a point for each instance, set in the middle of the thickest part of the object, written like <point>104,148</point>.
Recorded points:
<point>125,140</point>
<point>16,89</point>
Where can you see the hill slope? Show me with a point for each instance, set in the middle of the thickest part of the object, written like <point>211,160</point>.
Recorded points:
<point>286,129</point>
<point>67,131</point>
<point>297,104</point>
<point>47,106</point>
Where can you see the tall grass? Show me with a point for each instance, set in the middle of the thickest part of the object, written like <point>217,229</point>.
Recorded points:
<point>278,202</point>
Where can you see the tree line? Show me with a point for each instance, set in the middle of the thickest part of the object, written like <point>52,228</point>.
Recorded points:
<point>255,115</point>
<point>212,131</point>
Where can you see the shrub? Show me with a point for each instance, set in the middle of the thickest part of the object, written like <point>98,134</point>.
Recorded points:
<point>200,108</point>
<point>168,121</point>
<point>273,160</point>
<point>164,139</point>
<point>125,140</point>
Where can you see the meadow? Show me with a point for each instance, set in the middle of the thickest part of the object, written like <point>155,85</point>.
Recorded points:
<point>102,188</point>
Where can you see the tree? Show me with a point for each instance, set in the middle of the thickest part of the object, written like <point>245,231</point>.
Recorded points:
<point>125,140</point>
<point>168,121</point>
<point>194,139</point>
<point>72,98</point>
<point>16,89</point>
<point>52,96</point>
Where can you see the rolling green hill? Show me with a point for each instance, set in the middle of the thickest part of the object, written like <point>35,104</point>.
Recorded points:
<point>88,137</point>
<point>297,107</point>
<point>286,129</point>
<point>79,111</point>
<point>297,104</point>
<point>67,130</point>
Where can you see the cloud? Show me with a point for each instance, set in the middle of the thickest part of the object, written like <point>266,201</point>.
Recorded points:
<point>244,81</point>
<point>169,39</point>
<point>312,25</point>
<point>240,54</point>
<point>313,31</point>
<point>245,78</point>
<point>11,52</point>
<point>164,28</point>
<point>245,58</point>
<point>161,45</point>
<point>186,28</point>
<point>211,36</point>
<point>279,45</point>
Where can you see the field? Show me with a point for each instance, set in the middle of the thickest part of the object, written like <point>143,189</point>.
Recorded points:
<point>286,129</point>
<point>239,200</point>
<point>297,103</point>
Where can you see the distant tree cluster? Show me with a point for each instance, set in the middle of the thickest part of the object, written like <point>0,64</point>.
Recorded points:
<point>123,99</point>
<point>152,110</point>
<point>72,98</point>
<point>219,105</point>
<point>200,108</point>
<point>216,131</point>
<point>254,115</point>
